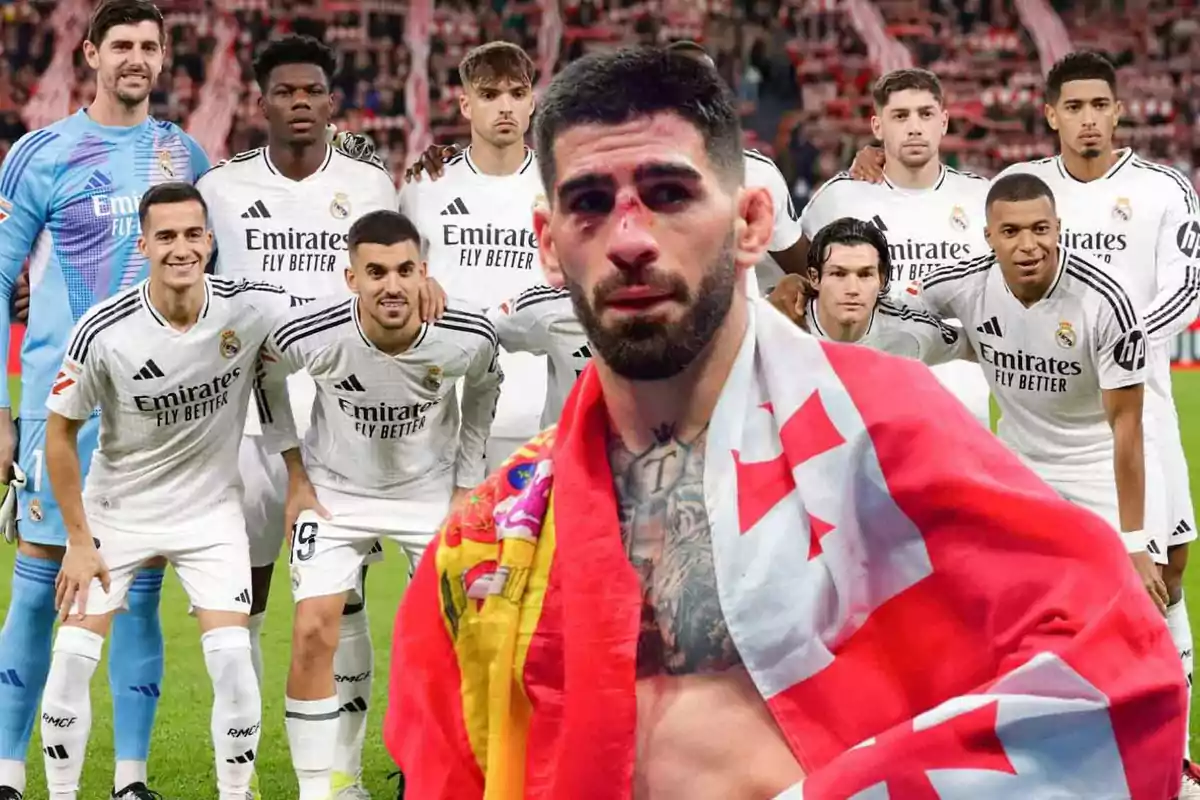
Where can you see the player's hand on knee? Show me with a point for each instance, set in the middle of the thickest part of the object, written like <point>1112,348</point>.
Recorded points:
<point>20,303</point>
<point>790,297</point>
<point>431,300</point>
<point>1151,577</point>
<point>80,566</point>
<point>301,497</point>
<point>868,165</point>
<point>8,507</point>
<point>432,162</point>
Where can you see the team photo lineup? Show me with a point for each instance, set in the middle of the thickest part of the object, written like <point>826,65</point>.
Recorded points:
<point>696,492</point>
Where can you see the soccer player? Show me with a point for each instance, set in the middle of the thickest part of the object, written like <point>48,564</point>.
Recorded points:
<point>1139,221</point>
<point>749,563</point>
<point>69,202</point>
<point>476,221</point>
<point>849,299</point>
<point>170,363</point>
<point>1065,354</point>
<point>932,214</point>
<point>542,321</point>
<point>386,457</point>
<point>281,213</point>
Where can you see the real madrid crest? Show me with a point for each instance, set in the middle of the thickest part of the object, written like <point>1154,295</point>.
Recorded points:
<point>166,164</point>
<point>340,207</point>
<point>35,510</point>
<point>1123,210</point>
<point>230,344</point>
<point>958,219</point>
<point>433,378</point>
<point>1065,335</point>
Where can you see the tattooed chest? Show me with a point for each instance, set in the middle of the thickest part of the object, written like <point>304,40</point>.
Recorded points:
<point>665,529</point>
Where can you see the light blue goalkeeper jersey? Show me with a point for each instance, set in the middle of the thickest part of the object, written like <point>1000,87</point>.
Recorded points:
<point>69,197</point>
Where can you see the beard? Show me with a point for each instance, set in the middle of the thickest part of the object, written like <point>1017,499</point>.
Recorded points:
<point>649,350</point>
<point>1090,152</point>
<point>130,98</point>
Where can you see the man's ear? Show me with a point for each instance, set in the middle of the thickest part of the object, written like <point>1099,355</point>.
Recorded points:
<point>547,252</point>
<point>753,226</point>
<point>351,282</point>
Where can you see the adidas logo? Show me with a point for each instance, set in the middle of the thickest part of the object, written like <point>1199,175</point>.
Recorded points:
<point>351,384</point>
<point>149,690</point>
<point>256,211</point>
<point>99,181</point>
<point>57,752</point>
<point>244,597</point>
<point>9,677</point>
<point>355,706</point>
<point>583,352</point>
<point>245,758</point>
<point>1182,528</point>
<point>991,327</point>
<point>457,207</point>
<point>1153,548</point>
<point>877,221</point>
<point>149,370</point>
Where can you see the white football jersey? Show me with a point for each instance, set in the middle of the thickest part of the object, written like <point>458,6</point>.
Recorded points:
<point>269,227</point>
<point>291,233</point>
<point>761,172</point>
<point>480,246</point>
<point>542,321</point>
<point>1047,363</point>
<point>172,402</point>
<point>925,228</point>
<point>1140,223</point>
<point>905,331</point>
<point>383,425</point>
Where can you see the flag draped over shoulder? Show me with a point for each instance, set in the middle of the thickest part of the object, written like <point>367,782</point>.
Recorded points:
<point>923,617</point>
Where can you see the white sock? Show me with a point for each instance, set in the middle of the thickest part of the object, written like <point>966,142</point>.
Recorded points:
<point>255,627</point>
<point>12,773</point>
<point>67,709</point>
<point>237,708</point>
<point>129,772</point>
<point>1181,635</point>
<point>353,666</point>
<point>312,728</point>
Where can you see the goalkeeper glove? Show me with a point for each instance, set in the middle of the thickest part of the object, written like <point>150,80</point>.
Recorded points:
<point>8,507</point>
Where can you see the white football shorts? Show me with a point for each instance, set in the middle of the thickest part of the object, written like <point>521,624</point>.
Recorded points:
<point>1096,490</point>
<point>327,555</point>
<point>1180,513</point>
<point>209,552</point>
<point>966,381</point>
<point>264,478</point>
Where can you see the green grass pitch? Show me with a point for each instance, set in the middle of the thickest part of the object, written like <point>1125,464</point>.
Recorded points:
<point>180,764</point>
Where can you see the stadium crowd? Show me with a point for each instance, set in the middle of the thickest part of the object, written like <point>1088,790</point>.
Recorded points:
<point>647,411</point>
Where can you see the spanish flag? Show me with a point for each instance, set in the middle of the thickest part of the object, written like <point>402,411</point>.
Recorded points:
<point>921,615</point>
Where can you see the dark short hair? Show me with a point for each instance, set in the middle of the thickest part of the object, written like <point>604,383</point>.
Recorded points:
<point>1017,187</point>
<point>293,49</point>
<point>168,194</point>
<point>1084,65</point>
<point>631,83</point>
<point>112,13</point>
<point>496,61</point>
<point>899,80</point>
<point>850,231</point>
<point>382,227</point>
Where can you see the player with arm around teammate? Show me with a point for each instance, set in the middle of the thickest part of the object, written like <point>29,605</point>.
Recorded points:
<point>170,362</point>
<point>1065,354</point>
<point>849,299</point>
<point>69,204</point>
<point>387,454</point>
